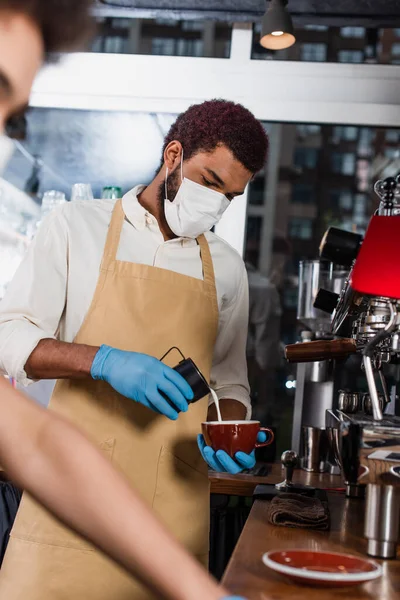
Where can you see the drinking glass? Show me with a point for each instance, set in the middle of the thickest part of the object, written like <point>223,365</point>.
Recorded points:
<point>50,200</point>
<point>111,192</point>
<point>81,191</point>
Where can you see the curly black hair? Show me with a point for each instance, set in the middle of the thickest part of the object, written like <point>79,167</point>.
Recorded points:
<point>204,127</point>
<point>64,24</point>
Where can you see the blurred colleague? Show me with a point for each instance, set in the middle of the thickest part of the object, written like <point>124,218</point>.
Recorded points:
<point>40,450</point>
<point>263,342</point>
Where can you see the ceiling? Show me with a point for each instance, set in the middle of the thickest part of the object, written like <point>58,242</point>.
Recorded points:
<point>366,13</point>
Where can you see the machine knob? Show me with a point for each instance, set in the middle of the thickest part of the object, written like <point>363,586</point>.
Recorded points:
<point>389,184</point>
<point>340,247</point>
<point>326,301</point>
<point>289,461</point>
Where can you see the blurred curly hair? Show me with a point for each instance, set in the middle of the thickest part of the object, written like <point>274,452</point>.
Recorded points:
<point>65,24</point>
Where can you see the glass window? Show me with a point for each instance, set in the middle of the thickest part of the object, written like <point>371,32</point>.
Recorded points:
<point>166,22</point>
<point>360,204</point>
<point>395,49</point>
<point>343,162</point>
<point>192,26</point>
<point>167,37</point>
<point>313,52</point>
<point>316,28</point>
<point>306,130</point>
<point>163,46</point>
<point>364,142</point>
<point>392,153</point>
<point>341,199</point>
<point>306,157</point>
<point>303,193</point>
<point>253,237</point>
<point>352,32</point>
<point>360,216</point>
<point>189,48</point>
<point>333,44</point>
<point>256,191</point>
<point>300,228</point>
<point>392,135</point>
<point>337,191</point>
<point>351,56</point>
<point>348,134</point>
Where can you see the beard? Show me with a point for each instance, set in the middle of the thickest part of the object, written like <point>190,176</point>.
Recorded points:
<point>173,185</point>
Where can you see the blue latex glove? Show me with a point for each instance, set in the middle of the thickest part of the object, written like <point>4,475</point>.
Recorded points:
<point>141,378</point>
<point>221,462</point>
<point>233,598</point>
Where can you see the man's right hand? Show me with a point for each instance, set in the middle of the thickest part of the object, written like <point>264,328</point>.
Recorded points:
<point>142,378</point>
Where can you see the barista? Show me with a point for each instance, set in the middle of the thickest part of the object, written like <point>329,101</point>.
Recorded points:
<point>39,449</point>
<point>103,291</point>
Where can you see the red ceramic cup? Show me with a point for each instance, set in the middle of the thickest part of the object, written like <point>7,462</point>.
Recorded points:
<point>235,436</point>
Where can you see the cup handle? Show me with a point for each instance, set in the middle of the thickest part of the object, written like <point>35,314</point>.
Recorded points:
<point>270,437</point>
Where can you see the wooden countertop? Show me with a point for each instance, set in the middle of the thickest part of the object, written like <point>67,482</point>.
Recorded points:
<point>243,485</point>
<point>246,574</point>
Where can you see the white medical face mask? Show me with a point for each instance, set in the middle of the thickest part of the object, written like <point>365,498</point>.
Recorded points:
<point>6,150</point>
<point>195,208</point>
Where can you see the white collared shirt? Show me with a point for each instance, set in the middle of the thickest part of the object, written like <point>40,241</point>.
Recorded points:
<point>53,287</point>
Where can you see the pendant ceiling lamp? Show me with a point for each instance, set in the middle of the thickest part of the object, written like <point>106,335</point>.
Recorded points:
<point>277,30</point>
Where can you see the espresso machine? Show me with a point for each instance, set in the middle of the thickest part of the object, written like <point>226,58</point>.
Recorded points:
<point>315,384</point>
<point>364,427</point>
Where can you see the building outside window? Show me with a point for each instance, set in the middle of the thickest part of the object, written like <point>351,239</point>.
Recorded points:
<point>352,32</point>
<point>163,46</point>
<point>316,27</point>
<point>306,157</point>
<point>364,141</point>
<point>360,217</point>
<point>392,135</point>
<point>300,228</point>
<point>189,47</point>
<point>392,153</point>
<point>341,199</point>
<point>351,56</point>
<point>343,162</point>
<point>349,134</point>
<point>395,49</point>
<point>303,193</point>
<point>305,130</point>
<point>313,52</point>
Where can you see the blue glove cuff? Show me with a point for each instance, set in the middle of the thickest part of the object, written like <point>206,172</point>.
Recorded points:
<point>96,370</point>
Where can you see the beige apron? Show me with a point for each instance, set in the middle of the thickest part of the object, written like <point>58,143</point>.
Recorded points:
<point>143,309</point>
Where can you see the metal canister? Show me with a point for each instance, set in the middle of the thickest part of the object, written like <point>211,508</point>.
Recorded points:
<point>349,402</point>
<point>367,405</point>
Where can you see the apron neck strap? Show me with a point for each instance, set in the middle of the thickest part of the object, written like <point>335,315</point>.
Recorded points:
<point>208,267</point>
<point>113,235</point>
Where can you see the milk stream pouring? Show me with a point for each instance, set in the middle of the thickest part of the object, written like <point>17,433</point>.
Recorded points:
<point>216,402</point>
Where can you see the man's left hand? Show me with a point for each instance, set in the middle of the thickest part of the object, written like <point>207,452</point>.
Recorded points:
<point>221,462</point>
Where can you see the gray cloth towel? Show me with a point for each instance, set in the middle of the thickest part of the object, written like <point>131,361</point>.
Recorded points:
<point>295,510</point>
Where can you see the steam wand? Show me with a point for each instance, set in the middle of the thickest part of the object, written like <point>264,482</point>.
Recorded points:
<point>368,354</point>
